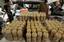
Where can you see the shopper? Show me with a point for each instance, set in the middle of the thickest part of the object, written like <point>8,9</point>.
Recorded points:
<point>8,11</point>
<point>1,19</point>
<point>13,8</point>
<point>52,8</point>
<point>57,9</point>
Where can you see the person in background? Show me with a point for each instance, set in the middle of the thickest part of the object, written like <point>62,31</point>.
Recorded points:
<point>58,8</point>
<point>52,7</point>
<point>5,18</point>
<point>8,11</point>
<point>13,8</point>
<point>1,19</point>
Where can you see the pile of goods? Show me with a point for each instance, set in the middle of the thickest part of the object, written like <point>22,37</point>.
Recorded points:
<point>32,29</point>
<point>14,31</point>
<point>36,32</point>
<point>33,16</point>
<point>56,30</point>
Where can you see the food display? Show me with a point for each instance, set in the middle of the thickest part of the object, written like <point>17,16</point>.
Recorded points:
<point>36,32</point>
<point>54,28</point>
<point>14,31</point>
<point>34,27</point>
<point>33,16</point>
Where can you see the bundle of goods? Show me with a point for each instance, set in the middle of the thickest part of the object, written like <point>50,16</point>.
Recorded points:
<point>52,32</point>
<point>28,30</point>
<point>36,32</point>
<point>55,30</point>
<point>14,31</point>
<point>33,16</point>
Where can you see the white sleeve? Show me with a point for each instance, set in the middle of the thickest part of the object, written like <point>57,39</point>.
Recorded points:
<point>63,7</point>
<point>49,7</point>
<point>5,17</point>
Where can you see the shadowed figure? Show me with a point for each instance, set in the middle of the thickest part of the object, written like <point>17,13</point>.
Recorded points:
<point>9,13</point>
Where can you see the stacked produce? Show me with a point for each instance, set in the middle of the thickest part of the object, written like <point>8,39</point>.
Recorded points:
<point>14,31</point>
<point>55,30</point>
<point>36,32</point>
<point>31,28</point>
<point>61,30</point>
<point>33,16</point>
<point>28,34</point>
